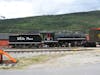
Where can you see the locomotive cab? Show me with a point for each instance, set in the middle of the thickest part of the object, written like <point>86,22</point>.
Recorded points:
<point>48,39</point>
<point>93,38</point>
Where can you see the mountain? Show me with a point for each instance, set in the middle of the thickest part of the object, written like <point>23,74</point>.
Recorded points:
<point>82,21</point>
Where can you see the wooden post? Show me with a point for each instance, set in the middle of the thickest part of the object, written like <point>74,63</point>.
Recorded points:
<point>6,54</point>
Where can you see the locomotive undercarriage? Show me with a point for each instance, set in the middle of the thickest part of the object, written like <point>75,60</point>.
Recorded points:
<point>25,45</point>
<point>63,43</point>
<point>50,44</point>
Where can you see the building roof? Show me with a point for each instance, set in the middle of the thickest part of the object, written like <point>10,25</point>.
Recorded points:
<point>95,28</point>
<point>4,36</point>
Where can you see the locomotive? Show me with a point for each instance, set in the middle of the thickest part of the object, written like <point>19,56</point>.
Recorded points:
<point>46,39</point>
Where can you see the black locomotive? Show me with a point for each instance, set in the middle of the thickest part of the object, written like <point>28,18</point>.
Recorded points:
<point>46,39</point>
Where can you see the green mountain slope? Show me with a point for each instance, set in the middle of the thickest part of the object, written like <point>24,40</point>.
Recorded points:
<point>73,22</point>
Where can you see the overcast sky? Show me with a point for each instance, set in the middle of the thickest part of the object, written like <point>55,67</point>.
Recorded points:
<point>25,8</point>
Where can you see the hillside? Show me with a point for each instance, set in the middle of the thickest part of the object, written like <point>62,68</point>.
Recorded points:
<point>74,22</point>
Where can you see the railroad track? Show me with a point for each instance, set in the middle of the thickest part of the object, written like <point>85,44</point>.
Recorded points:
<point>49,50</point>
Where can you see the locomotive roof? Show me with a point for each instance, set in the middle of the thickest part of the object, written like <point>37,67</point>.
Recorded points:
<point>25,34</point>
<point>70,35</point>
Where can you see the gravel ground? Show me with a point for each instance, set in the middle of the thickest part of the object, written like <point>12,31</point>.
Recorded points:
<point>72,63</point>
<point>71,59</point>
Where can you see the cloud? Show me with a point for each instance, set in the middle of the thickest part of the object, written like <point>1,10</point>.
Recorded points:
<point>49,6</point>
<point>23,8</point>
<point>13,0</point>
<point>15,9</point>
<point>64,6</point>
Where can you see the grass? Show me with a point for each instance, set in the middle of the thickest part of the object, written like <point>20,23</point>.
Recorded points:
<point>70,22</point>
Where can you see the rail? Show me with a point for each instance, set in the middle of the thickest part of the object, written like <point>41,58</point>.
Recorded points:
<point>50,50</point>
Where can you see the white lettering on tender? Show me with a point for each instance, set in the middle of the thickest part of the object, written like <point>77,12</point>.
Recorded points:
<point>28,38</point>
<point>24,38</point>
<point>20,38</point>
